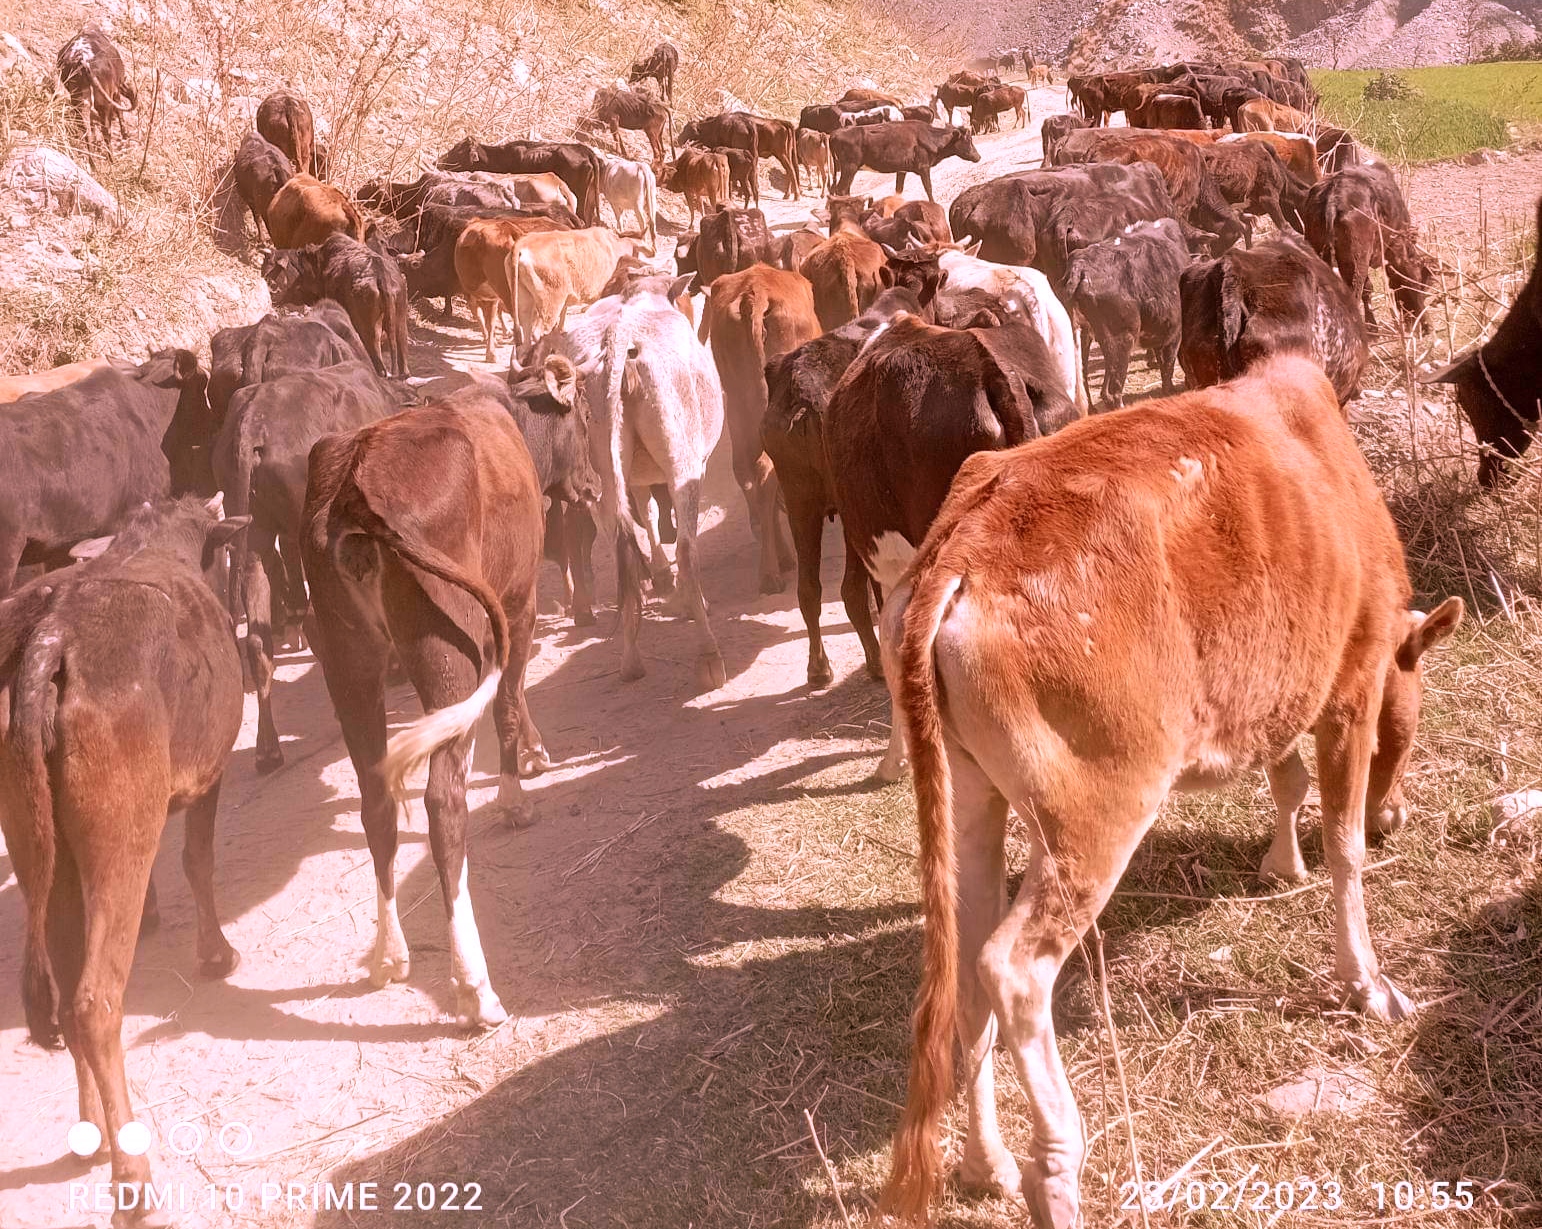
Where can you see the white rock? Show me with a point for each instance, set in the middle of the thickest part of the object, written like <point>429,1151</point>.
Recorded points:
<point>40,178</point>
<point>1523,804</point>
<point>16,62</point>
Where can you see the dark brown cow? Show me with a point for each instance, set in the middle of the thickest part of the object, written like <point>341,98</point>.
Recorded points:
<point>661,64</point>
<point>1357,219</point>
<point>959,91</point>
<point>91,71</point>
<point>903,148</point>
<point>730,240</point>
<point>751,318</point>
<point>261,170</point>
<point>847,274</point>
<point>368,284</point>
<point>912,406</point>
<point>576,165</point>
<point>306,211</point>
<point>1278,298</point>
<point>1499,384</point>
<point>1206,580</point>
<point>1250,175</point>
<point>120,698</point>
<point>618,109</point>
<point>284,119</point>
<point>1054,129</point>
<point>798,386</point>
<point>758,135</point>
<point>445,573</point>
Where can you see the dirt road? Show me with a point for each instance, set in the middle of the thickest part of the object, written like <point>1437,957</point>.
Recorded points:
<point>296,1066</point>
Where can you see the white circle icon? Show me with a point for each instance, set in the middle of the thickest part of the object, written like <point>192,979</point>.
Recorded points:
<point>244,1134</point>
<point>185,1138</point>
<point>134,1138</point>
<point>84,1138</point>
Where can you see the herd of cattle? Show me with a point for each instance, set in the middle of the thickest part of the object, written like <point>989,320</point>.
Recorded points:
<point>1132,602</point>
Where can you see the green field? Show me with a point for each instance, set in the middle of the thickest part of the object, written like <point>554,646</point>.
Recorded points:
<point>1463,107</point>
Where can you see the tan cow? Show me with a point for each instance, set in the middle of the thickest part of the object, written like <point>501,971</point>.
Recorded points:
<point>847,272</point>
<point>1266,115</point>
<point>1296,151</point>
<point>13,388</point>
<point>306,211</point>
<point>752,317</point>
<point>814,157</point>
<point>481,266</point>
<point>1208,578</point>
<point>550,272</point>
<point>542,189</point>
<point>700,175</point>
<point>1038,77</point>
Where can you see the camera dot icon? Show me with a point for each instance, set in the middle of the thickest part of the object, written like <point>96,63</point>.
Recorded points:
<point>134,1138</point>
<point>84,1138</point>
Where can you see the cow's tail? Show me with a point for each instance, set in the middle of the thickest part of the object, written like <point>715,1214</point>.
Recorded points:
<point>411,746</point>
<point>591,199</point>
<point>853,299</point>
<point>239,503</point>
<point>108,98</point>
<point>915,1169</point>
<point>31,654</point>
<point>615,350</point>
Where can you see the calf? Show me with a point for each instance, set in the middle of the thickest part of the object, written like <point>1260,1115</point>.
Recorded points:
<point>1278,298</point>
<point>75,461</point>
<point>260,459</point>
<point>447,577</point>
<point>1126,290</point>
<point>261,169</point>
<point>1054,130</point>
<point>743,182</point>
<point>367,284</point>
<point>548,273</point>
<point>1357,219</point>
<point>285,120</point>
<point>630,187</point>
<point>91,71</point>
<point>751,318</point>
<point>798,388</point>
<point>576,165</point>
<point>306,211</point>
<point>846,272</point>
<point>482,266</point>
<point>990,103</point>
<point>637,113</point>
<point>122,699</point>
<point>814,157</point>
<point>660,64</point>
<point>1187,655</point>
<point>932,396</point>
<point>657,408</point>
<point>1497,383</point>
<point>904,148</point>
<point>702,176</point>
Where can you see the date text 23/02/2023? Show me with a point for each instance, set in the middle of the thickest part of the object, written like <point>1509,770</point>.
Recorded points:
<point>1249,1194</point>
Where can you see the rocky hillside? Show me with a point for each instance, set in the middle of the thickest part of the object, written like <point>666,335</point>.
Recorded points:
<point>391,82</point>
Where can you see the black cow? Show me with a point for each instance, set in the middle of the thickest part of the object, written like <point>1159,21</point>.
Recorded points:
<point>661,64</point>
<point>124,700</point>
<point>798,388</point>
<point>368,284</point>
<point>576,165</point>
<point>92,73</point>
<point>259,462</point>
<point>729,130</point>
<point>730,240</point>
<point>1031,217</point>
<point>1126,290</point>
<point>1251,176</point>
<point>1277,298</point>
<point>821,117</point>
<point>907,147</point>
<point>75,461</point>
<point>261,169</point>
<point>1497,384</point>
<point>1056,128</point>
<point>276,345</point>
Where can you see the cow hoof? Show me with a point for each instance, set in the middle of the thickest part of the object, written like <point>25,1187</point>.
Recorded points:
<point>890,771</point>
<point>663,582</point>
<point>820,675</point>
<point>515,806</point>
<point>221,965</point>
<point>772,584</point>
<point>533,760</point>
<point>875,670</point>
<point>710,673</point>
<point>632,667</point>
<point>1053,1202</point>
<point>583,618</point>
<point>269,761</point>
<point>1271,870</point>
<point>386,969</point>
<point>1384,1001</point>
<point>998,1177</point>
<point>478,1007</point>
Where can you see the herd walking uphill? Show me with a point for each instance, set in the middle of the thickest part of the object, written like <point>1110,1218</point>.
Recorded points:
<point>1076,604</point>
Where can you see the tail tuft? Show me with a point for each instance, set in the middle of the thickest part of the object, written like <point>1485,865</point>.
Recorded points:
<point>410,747</point>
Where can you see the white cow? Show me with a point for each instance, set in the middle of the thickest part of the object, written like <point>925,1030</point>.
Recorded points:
<point>631,186</point>
<point>1025,290</point>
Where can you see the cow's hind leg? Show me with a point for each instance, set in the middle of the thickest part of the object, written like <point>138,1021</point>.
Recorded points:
<point>264,611</point>
<point>859,609</point>
<point>521,752</point>
<point>1074,864</point>
<point>66,953</point>
<point>980,815</point>
<point>578,545</point>
<point>629,568</point>
<point>710,671</point>
<point>1344,748</point>
<point>1288,783</point>
<point>216,958</point>
<point>808,524</point>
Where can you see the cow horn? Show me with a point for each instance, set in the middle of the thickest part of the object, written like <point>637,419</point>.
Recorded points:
<point>90,548</point>
<point>215,505</point>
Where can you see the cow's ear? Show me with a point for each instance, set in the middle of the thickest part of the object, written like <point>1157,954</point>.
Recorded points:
<point>561,380</point>
<point>886,276</point>
<point>186,366</point>
<point>91,548</point>
<point>215,505</point>
<point>223,532</point>
<point>1425,631</point>
<point>1451,373</point>
<point>681,285</point>
<point>974,248</point>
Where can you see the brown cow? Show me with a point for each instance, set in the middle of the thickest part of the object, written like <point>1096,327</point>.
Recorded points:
<point>14,387</point>
<point>285,120</point>
<point>1357,219</point>
<point>814,156</point>
<point>858,93</point>
<point>306,211</point>
<point>988,104</point>
<point>701,175</point>
<point>618,109</point>
<point>446,573</point>
<point>751,318</point>
<point>120,698</point>
<point>548,273</point>
<point>481,265</point>
<point>91,71</point>
<point>847,273</point>
<point>1298,153</point>
<point>1208,578</point>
